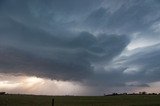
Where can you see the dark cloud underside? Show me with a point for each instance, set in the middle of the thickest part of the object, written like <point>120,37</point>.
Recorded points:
<point>81,40</point>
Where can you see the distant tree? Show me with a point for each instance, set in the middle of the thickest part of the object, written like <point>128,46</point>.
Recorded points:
<point>154,93</point>
<point>114,94</point>
<point>2,93</point>
<point>143,93</point>
<point>124,93</point>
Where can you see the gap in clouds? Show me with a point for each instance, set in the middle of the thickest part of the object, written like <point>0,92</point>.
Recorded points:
<point>22,84</point>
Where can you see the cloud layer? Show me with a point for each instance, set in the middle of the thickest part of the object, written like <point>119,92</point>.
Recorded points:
<point>83,41</point>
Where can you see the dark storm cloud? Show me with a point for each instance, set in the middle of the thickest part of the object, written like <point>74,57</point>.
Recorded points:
<point>79,40</point>
<point>62,59</point>
<point>137,70</point>
<point>131,16</point>
<point>34,42</point>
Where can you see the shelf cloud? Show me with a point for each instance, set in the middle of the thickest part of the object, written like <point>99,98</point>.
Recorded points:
<point>85,41</point>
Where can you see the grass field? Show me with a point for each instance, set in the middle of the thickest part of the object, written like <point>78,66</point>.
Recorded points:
<point>123,100</point>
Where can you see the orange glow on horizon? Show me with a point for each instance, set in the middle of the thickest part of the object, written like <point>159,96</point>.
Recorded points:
<point>36,85</point>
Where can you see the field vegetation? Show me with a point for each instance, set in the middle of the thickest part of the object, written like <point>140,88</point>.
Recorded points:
<point>118,100</point>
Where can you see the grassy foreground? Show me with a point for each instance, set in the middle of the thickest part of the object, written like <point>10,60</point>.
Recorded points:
<point>121,100</point>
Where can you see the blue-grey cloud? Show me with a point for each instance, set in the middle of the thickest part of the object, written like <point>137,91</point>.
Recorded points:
<point>80,40</point>
<point>130,17</point>
<point>145,64</point>
<point>138,69</point>
<point>59,58</point>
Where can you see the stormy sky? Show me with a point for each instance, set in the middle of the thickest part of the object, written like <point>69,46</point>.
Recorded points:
<point>79,47</point>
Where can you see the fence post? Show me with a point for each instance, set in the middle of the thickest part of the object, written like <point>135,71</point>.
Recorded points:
<point>53,102</point>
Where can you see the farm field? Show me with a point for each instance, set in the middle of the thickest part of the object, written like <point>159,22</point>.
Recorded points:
<point>121,100</point>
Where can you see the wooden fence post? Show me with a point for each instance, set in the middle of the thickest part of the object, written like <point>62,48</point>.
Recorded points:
<point>53,102</point>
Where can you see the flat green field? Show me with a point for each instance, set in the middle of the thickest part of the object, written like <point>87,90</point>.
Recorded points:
<point>121,100</point>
